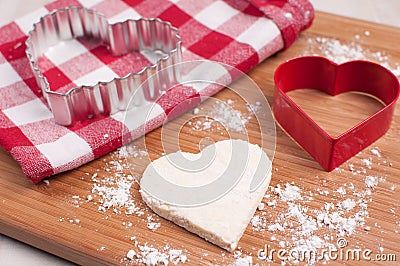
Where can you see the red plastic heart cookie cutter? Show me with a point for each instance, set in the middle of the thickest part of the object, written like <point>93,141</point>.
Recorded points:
<point>314,72</point>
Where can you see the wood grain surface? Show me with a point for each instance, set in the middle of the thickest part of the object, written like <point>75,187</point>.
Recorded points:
<point>58,217</point>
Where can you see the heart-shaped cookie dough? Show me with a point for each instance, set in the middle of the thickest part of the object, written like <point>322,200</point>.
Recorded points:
<point>313,72</point>
<point>213,194</point>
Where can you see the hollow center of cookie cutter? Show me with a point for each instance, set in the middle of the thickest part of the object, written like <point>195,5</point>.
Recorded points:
<point>105,98</point>
<point>322,74</point>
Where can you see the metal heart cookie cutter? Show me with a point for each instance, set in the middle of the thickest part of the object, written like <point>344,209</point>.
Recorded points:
<point>313,72</point>
<point>104,98</point>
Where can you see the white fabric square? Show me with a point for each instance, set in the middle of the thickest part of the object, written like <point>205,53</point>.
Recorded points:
<point>216,14</point>
<point>65,149</point>
<point>262,32</point>
<point>28,112</point>
<point>138,116</point>
<point>64,51</point>
<point>207,73</point>
<point>127,14</point>
<point>89,3</point>
<point>103,74</point>
<point>8,75</point>
<point>26,22</point>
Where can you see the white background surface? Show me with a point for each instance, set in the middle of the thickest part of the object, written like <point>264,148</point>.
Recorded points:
<point>381,11</point>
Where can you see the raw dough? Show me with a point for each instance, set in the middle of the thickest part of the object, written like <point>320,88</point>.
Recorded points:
<point>221,221</point>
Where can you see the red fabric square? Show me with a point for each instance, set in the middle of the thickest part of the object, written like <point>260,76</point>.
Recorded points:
<point>132,3</point>
<point>103,54</point>
<point>13,136</point>
<point>107,137</point>
<point>56,78</point>
<point>277,3</point>
<point>10,33</point>
<point>253,11</point>
<point>178,100</point>
<point>14,50</point>
<point>33,162</point>
<point>175,15</point>
<point>211,44</point>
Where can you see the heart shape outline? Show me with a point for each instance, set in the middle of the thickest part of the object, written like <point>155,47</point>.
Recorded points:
<point>209,219</point>
<point>104,98</point>
<point>316,72</point>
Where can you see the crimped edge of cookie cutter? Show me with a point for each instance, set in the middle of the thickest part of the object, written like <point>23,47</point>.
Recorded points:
<point>105,98</point>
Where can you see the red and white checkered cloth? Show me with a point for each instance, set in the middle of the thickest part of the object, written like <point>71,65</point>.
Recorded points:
<point>240,33</point>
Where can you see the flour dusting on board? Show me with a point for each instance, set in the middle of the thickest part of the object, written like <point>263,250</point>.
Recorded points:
<point>300,223</point>
<point>111,193</point>
<point>112,186</point>
<point>294,215</point>
<point>151,256</point>
<point>289,217</point>
<point>224,115</point>
<point>341,52</point>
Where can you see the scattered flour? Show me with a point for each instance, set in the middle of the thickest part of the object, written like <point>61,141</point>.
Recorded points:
<point>348,204</point>
<point>340,52</point>
<point>151,256</point>
<point>376,152</point>
<point>111,193</point>
<point>290,193</point>
<point>241,259</point>
<point>131,254</point>
<point>341,191</point>
<point>224,115</point>
<point>303,225</point>
<point>371,181</point>
<point>152,222</point>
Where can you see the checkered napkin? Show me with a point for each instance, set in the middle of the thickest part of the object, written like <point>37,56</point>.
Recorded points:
<point>240,33</point>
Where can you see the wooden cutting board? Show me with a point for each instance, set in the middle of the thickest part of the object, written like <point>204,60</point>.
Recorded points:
<point>59,218</point>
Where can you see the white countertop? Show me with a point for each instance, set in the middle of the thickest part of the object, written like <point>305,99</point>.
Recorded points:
<point>381,11</point>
